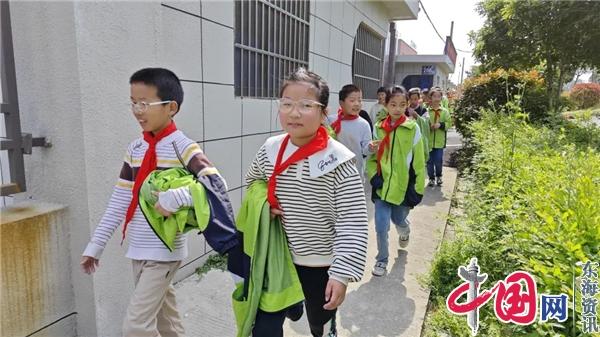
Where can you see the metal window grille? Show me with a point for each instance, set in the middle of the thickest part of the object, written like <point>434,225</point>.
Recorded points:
<point>15,143</point>
<point>271,40</point>
<point>367,61</point>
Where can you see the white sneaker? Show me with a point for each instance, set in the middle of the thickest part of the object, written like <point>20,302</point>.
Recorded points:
<point>379,269</point>
<point>403,236</point>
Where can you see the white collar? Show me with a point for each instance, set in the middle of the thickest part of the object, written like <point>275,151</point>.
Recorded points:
<point>320,163</point>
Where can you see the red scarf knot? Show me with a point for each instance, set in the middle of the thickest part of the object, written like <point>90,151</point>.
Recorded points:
<point>318,143</point>
<point>148,165</point>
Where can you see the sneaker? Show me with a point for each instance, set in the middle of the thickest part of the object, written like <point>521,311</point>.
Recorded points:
<point>403,236</point>
<point>439,181</point>
<point>431,183</point>
<point>379,269</point>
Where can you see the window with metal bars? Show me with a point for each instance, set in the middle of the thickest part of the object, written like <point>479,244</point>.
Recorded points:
<point>271,40</point>
<point>13,143</point>
<point>367,61</point>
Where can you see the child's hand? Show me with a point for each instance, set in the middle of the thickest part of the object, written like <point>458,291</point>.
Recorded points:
<point>374,145</point>
<point>161,210</point>
<point>89,264</point>
<point>275,212</point>
<point>412,113</point>
<point>167,203</point>
<point>335,293</point>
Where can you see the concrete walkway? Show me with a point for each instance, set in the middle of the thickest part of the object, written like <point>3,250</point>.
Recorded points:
<point>393,305</point>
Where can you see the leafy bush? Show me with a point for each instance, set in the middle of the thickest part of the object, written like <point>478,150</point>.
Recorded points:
<point>585,95</point>
<point>533,205</point>
<point>497,88</point>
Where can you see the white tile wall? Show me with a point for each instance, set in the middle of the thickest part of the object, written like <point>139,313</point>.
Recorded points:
<point>335,44</point>
<point>334,76</point>
<point>226,156</point>
<point>185,5</point>
<point>323,9</point>
<point>221,11</point>
<point>217,42</point>
<point>196,246</point>
<point>346,49</point>
<point>222,113</point>
<point>321,67</point>
<point>345,74</point>
<point>321,37</point>
<point>311,34</point>
<point>275,125</point>
<point>348,24</point>
<point>337,14</point>
<point>250,146</point>
<point>235,197</point>
<point>256,115</point>
<point>175,28</point>
<point>189,118</point>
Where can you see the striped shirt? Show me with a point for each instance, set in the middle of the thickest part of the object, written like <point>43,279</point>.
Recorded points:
<point>324,216</point>
<point>143,242</point>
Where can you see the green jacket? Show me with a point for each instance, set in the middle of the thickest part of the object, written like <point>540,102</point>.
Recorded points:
<point>273,283</point>
<point>423,122</point>
<point>437,138</point>
<point>402,165</point>
<point>382,114</point>
<point>186,218</point>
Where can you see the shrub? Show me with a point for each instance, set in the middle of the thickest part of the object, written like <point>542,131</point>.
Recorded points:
<point>585,95</point>
<point>532,204</point>
<point>498,87</point>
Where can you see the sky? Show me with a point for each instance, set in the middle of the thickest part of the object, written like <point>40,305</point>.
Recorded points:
<point>442,13</point>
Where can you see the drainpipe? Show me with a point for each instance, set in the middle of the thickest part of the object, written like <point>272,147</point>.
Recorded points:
<point>391,67</point>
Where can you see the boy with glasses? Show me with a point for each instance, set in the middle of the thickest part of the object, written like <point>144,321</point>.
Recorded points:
<point>156,96</point>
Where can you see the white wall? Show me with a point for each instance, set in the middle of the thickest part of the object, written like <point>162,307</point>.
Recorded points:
<point>333,28</point>
<point>73,62</point>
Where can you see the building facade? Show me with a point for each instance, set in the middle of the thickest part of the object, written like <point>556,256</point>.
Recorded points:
<point>72,65</point>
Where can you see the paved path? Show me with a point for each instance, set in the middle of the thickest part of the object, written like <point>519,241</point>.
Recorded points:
<point>393,305</point>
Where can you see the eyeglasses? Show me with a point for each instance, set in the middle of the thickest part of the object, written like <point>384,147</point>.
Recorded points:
<point>286,105</point>
<point>144,106</point>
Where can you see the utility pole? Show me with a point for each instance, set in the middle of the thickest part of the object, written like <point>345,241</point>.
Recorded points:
<point>391,66</point>
<point>462,72</point>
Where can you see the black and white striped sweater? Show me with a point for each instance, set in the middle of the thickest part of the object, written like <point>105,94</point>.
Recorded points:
<point>324,209</point>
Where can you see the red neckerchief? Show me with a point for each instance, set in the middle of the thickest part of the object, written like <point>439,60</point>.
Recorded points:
<point>337,125</point>
<point>437,114</point>
<point>148,165</point>
<point>388,127</point>
<point>318,143</point>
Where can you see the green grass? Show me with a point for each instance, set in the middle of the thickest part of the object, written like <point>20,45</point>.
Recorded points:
<point>214,261</point>
<point>583,113</point>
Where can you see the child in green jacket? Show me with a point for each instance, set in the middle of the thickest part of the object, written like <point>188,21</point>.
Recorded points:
<point>396,173</point>
<point>439,120</point>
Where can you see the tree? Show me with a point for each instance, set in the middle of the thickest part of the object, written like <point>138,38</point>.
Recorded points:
<point>557,37</point>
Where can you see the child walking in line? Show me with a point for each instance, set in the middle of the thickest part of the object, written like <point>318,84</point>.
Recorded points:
<point>396,174</point>
<point>314,186</point>
<point>377,112</point>
<point>419,113</point>
<point>156,96</point>
<point>352,131</point>
<point>439,121</point>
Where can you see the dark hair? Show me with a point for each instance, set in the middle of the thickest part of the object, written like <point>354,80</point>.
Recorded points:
<point>436,89</point>
<point>396,90</point>
<point>347,90</point>
<point>414,91</point>
<point>168,87</point>
<point>303,75</point>
<point>381,89</point>
<point>425,92</point>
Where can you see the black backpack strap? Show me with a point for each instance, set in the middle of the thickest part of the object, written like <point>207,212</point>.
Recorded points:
<point>178,154</point>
